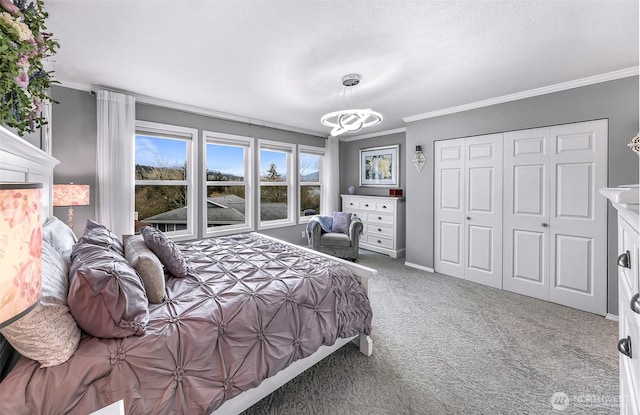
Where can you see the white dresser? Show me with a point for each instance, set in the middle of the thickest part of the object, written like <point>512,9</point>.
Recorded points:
<point>384,222</point>
<point>627,204</point>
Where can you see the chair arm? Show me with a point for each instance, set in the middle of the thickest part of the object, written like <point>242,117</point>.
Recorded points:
<point>355,229</point>
<point>316,232</point>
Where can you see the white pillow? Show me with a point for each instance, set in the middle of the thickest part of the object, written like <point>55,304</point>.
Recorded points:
<point>49,333</point>
<point>59,235</point>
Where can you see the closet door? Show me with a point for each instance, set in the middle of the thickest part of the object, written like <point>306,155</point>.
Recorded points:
<point>578,227</point>
<point>526,212</point>
<point>483,210</point>
<point>449,207</point>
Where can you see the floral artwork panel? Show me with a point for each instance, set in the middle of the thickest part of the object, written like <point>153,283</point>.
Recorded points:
<point>379,166</point>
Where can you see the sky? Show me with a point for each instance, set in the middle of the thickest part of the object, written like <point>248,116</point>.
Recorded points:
<point>154,151</point>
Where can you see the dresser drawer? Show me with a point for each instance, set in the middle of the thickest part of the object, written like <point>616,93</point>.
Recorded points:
<point>379,241</point>
<point>350,205</point>
<point>376,218</point>
<point>384,207</point>
<point>382,230</point>
<point>628,245</point>
<point>366,205</point>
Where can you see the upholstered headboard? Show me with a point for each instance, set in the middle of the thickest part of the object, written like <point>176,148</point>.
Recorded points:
<point>20,161</point>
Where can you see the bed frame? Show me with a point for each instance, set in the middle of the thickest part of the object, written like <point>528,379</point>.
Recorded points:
<point>20,161</point>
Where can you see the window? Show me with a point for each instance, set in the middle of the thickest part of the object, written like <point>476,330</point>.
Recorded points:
<point>310,160</point>
<point>228,178</point>
<point>165,193</point>
<point>277,192</point>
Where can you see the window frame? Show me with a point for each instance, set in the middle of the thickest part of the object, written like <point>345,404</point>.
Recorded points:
<point>291,175</point>
<point>319,151</point>
<point>212,137</point>
<point>174,132</point>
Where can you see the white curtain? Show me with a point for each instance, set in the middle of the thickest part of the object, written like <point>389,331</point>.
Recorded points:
<point>114,160</point>
<point>331,177</point>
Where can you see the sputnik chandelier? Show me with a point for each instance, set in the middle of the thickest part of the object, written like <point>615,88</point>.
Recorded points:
<point>350,120</point>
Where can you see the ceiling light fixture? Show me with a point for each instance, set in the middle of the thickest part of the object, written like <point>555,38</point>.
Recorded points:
<point>350,120</point>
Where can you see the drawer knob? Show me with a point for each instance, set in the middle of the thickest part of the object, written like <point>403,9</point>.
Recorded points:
<point>384,206</point>
<point>379,241</point>
<point>379,217</point>
<point>635,303</point>
<point>350,203</point>
<point>624,346</point>
<point>468,217</point>
<point>544,225</point>
<point>366,205</point>
<point>379,230</point>
<point>624,260</point>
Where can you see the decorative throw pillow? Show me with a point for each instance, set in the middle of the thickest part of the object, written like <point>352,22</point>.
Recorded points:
<point>48,334</point>
<point>341,222</point>
<point>148,266</point>
<point>58,234</point>
<point>97,234</point>
<point>106,296</point>
<point>166,250</point>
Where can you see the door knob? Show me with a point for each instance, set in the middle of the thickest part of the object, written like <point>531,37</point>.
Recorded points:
<point>624,346</point>
<point>635,303</point>
<point>624,260</point>
<point>544,225</point>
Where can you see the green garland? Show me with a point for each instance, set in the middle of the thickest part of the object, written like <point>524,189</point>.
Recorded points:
<point>24,83</point>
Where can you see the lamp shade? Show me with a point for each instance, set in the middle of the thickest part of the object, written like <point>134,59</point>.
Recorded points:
<point>70,194</point>
<point>20,249</point>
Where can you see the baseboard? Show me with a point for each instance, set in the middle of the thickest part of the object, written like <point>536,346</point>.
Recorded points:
<point>611,317</point>
<point>416,266</point>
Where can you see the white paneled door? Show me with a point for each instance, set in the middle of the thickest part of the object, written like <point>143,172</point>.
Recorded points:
<point>520,211</point>
<point>483,210</point>
<point>449,207</point>
<point>468,208</point>
<point>555,227</point>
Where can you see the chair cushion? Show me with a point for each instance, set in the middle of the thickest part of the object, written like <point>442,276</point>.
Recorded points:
<point>336,239</point>
<point>341,221</point>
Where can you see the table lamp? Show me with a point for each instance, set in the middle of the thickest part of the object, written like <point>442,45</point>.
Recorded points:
<point>21,249</point>
<point>70,195</point>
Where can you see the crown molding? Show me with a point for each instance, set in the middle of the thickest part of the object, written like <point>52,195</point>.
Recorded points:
<point>148,100</point>
<point>591,80</point>
<point>376,134</point>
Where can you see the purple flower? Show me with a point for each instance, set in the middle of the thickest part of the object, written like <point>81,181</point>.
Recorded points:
<point>23,61</point>
<point>23,79</point>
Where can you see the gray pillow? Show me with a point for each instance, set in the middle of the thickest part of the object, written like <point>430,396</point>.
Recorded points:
<point>148,266</point>
<point>341,222</point>
<point>106,296</point>
<point>48,334</point>
<point>97,234</point>
<point>166,250</point>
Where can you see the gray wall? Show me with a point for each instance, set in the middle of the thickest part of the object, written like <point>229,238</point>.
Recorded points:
<point>74,139</point>
<point>615,100</point>
<point>74,134</point>
<point>350,162</point>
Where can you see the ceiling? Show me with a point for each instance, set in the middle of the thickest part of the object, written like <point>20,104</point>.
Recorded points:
<point>281,62</point>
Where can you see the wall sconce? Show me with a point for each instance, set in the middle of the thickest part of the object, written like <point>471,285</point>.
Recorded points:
<point>418,159</point>
<point>634,144</point>
<point>70,195</point>
<point>21,255</point>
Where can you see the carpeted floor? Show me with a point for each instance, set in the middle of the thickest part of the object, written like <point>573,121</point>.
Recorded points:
<point>447,346</point>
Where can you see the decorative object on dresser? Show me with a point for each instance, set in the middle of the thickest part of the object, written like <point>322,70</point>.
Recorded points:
<point>379,166</point>
<point>634,144</point>
<point>70,195</point>
<point>384,222</point>
<point>20,256</point>
<point>627,201</point>
<point>418,159</point>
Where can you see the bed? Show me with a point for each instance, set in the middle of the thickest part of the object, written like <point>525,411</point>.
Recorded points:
<point>249,314</point>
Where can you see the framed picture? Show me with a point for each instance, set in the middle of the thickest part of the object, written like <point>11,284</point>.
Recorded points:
<point>379,166</point>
